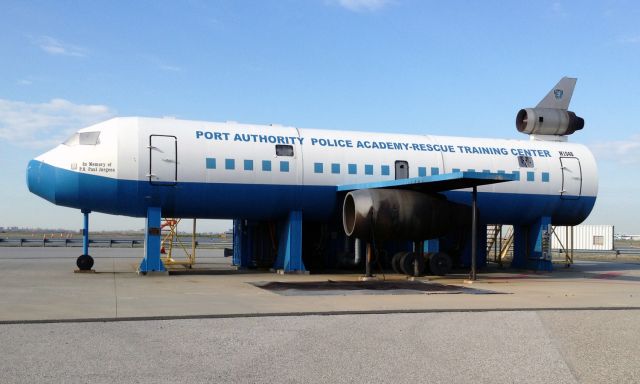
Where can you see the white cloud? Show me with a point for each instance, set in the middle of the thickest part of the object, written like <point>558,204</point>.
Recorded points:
<point>363,5</point>
<point>46,124</point>
<point>170,68</point>
<point>57,47</point>
<point>625,152</point>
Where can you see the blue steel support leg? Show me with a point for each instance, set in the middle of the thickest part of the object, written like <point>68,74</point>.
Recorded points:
<point>432,245</point>
<point>151,261</point>
<point>290,245</point>
<point>539,260</point>
<point>243,238</point>
<point>85,233</point>
<point>528,249</point>
<point>237,242</point>
<point>84,261</point>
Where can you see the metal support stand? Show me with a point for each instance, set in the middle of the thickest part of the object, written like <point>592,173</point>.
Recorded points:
<point>367,270</point>
<point>290,245</point>
<point>568,255</point>
<point>474,233</point>
<point>368,276</point>
<point>531,246</point>
<point>85,233</point>
<point>357,251</point>
<point>242,252</point>
<point>193,241</point>
<point>85,261</point>
<point>151,261</point>
<point>171,241</point>
<point>572,244</point>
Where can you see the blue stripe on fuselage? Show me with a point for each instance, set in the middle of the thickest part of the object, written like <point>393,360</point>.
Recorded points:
<point>263,201</point>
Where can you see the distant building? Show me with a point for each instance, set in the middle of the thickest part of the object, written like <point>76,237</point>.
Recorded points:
<point>585,237</point>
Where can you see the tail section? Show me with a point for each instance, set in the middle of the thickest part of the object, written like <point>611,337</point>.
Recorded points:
<point>551,119</point>
<point>559,96</point>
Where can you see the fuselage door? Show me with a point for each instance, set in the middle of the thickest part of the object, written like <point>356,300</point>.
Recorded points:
<point>163,160</point>
<point>402,169</point>
<point>571,178</point>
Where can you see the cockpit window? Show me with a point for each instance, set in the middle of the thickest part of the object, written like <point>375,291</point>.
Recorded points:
<point>89,138</point>
<point>83,138</point>
<point>73,140</point>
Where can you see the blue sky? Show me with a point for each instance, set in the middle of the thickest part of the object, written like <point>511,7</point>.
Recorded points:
<point>447,68</point>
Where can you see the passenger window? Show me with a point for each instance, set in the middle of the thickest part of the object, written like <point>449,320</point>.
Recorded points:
<point>284,150</point>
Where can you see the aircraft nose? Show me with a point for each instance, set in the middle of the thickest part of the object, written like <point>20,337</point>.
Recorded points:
<point>41,180</point>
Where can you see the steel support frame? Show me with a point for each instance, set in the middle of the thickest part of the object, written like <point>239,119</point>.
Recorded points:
<point>242,251</point>
<point>527,246</point>
<point>152,238</point>
<point>85,232</point>
<point>289,258</point>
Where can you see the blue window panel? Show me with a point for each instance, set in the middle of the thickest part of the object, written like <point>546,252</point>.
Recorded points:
<point>455,170</point>
<point>471,170</point>
<point>422,171</point>
<point>353,169</point>
<point>516,175</point>
<point>318,168</point>
<point>284,166</point>
<point>266,165</point>
<point>211,163</point>
<point>368,169</point>
<point>229,164</point>
<point>335,168</point>
<point>486,171</point>
<point>435,171</point>
<point>545,177</point>
<point>384,170</point>
<point>501,171</point>
<point>531,176</point>
<point>248,165</point>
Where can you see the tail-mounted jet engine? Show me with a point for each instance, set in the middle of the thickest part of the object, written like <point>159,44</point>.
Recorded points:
<point>552,116</point>
<point>381,214</point>
<point>548,121</point>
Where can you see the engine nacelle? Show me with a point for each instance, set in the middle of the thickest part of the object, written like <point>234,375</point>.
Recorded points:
<point>400,215</point>
<point>548,121</point>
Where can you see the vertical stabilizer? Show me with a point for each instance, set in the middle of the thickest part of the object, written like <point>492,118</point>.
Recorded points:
<point>559,96</point>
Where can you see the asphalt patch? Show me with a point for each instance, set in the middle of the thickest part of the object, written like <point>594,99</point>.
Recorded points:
<point>343,288</point>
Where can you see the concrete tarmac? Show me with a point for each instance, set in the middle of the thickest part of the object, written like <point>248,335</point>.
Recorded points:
<point>575,325</point>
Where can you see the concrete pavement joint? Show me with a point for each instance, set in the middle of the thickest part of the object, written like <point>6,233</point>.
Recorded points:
<point>306,314</point>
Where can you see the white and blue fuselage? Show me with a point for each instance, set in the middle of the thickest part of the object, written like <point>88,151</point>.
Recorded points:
<point>228,170</point>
